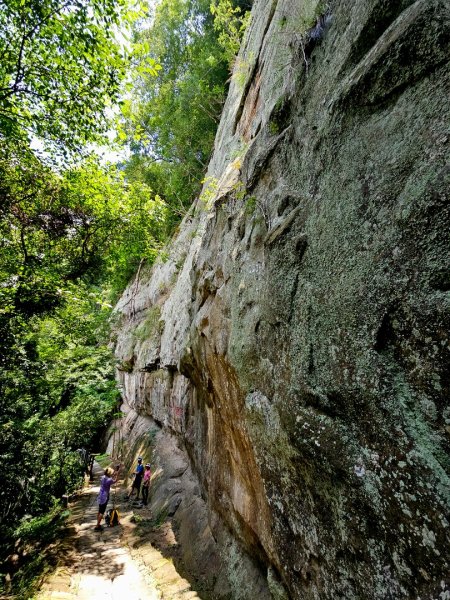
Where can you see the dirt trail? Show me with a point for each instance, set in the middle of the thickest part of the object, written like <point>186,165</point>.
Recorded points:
<point>110,565</point>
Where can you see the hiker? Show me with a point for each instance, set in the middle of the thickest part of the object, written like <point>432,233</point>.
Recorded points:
<point>146,484</point>
<point>110,476</point>
<point>138,474</point>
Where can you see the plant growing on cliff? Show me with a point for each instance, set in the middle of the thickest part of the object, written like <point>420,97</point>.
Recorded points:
<point>231,22</point>
<point>208,193</point>
<point>242,70</point>
<point>234,198</point>
<point>261,205</point>
<point>151,325</point>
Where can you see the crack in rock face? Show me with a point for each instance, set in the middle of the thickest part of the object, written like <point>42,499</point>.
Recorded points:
<point>293,349</point>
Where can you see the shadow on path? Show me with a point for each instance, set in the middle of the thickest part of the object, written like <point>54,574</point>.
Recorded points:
<point>102,566</point>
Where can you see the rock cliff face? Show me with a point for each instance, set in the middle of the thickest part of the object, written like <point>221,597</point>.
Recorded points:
<point>294,344</point>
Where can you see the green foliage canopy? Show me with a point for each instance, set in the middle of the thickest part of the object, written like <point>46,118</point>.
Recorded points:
<point>57,395</point>
<point>86,223</point>
<point>60,68</point>
<point>170,120</point>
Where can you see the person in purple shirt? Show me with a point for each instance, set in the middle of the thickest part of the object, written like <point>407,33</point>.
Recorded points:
<point>106,481</point>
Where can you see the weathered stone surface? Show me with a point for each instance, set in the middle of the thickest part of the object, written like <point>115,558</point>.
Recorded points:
<point>209,557</point>
<point>297,336</point>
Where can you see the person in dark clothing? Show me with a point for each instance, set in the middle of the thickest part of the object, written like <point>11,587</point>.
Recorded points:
<point>136,485</point>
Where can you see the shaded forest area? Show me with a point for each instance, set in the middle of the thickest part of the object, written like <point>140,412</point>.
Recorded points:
<point>74,228</point>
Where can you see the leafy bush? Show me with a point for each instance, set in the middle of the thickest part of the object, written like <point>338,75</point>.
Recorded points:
<point>42,529</point>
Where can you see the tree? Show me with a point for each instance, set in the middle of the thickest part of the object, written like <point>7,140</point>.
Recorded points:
<point>60,68</point>
<point>170,120</point>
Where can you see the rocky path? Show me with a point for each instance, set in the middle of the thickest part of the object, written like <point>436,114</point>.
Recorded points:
<point>114,564</point>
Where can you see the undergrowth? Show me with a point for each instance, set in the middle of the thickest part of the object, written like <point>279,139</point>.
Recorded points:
<point>34,553</point>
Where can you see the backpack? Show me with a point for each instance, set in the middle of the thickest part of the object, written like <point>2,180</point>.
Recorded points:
<point>112,517</point>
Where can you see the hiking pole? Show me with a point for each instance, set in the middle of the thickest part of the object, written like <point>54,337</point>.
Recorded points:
<point>114,444</point>
<point>115,485</point>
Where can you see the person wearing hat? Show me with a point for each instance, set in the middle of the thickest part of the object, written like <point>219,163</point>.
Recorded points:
<point>146,484</point>
<point>138,474</point>
<point>109,477</point>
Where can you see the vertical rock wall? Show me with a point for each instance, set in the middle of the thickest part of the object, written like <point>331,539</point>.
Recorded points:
<point>295,343</point>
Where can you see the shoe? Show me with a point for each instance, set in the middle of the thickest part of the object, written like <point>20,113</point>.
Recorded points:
<point>98,528</point>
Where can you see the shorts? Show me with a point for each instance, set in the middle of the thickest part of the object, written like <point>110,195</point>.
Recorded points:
<point>137,483</point>
<point>102,507</point>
